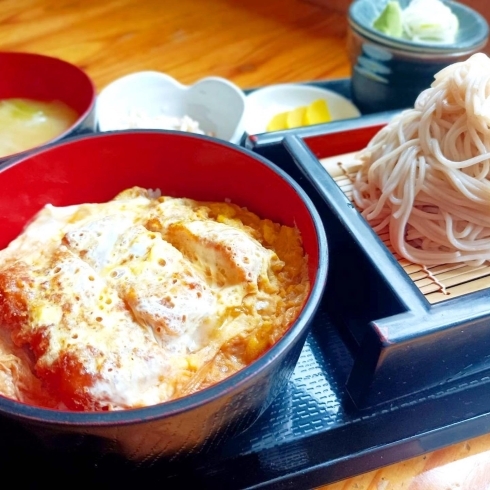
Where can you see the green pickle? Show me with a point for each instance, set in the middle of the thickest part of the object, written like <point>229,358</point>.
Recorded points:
<point>26,123</point>
<point>390,20</point>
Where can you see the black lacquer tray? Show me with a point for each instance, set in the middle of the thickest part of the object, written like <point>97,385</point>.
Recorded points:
<point>352,404</point>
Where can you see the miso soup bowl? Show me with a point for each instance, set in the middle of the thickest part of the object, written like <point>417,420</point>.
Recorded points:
<point>94,169</point>
<point>47,79</point>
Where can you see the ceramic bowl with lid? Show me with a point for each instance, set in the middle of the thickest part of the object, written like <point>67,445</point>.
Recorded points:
<point>389,73</point>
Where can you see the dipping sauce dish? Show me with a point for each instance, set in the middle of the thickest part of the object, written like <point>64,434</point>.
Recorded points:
<point>389,73</point>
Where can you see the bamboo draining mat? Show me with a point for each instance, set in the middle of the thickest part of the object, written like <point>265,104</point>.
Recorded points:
<point>437,283</point>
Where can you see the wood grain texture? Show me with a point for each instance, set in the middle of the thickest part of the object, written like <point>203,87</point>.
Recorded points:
<point>252,43</point>
<point>463,466</point>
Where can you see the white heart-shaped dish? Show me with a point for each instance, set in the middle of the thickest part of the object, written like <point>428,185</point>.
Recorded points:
<point>215,103</point>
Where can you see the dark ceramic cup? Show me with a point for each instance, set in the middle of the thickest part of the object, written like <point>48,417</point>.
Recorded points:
<point>389,73</point>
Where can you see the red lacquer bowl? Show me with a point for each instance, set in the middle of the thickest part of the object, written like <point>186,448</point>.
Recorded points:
<point>95,168</point>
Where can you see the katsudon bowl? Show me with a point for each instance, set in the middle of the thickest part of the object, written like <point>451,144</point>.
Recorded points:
<point>94,169</point>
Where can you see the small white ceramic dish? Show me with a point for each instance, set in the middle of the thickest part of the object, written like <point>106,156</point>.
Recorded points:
<point>215,103</point>
<point>263,104</point>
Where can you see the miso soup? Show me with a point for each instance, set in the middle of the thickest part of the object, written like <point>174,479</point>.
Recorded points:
<point>27,123</point>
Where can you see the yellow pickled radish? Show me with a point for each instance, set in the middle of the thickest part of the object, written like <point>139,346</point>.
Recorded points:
<point>317,113</point>
<point>295,117</point>
<point>278,122</point>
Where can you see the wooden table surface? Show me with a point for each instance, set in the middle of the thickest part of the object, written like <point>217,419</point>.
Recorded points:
<point>252,43</point>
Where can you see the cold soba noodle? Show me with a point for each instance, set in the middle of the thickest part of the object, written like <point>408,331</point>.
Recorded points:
<point>425,175</point>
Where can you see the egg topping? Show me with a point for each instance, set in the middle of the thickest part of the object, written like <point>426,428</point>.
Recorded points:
<point>142,299</point>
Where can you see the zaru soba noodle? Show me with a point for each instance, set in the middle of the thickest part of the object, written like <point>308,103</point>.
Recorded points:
<point>425,176</point>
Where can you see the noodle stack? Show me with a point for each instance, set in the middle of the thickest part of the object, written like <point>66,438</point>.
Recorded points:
<point>426,175</point>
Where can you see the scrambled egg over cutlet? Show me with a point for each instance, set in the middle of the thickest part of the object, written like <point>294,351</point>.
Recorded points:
<point>142,299</point>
